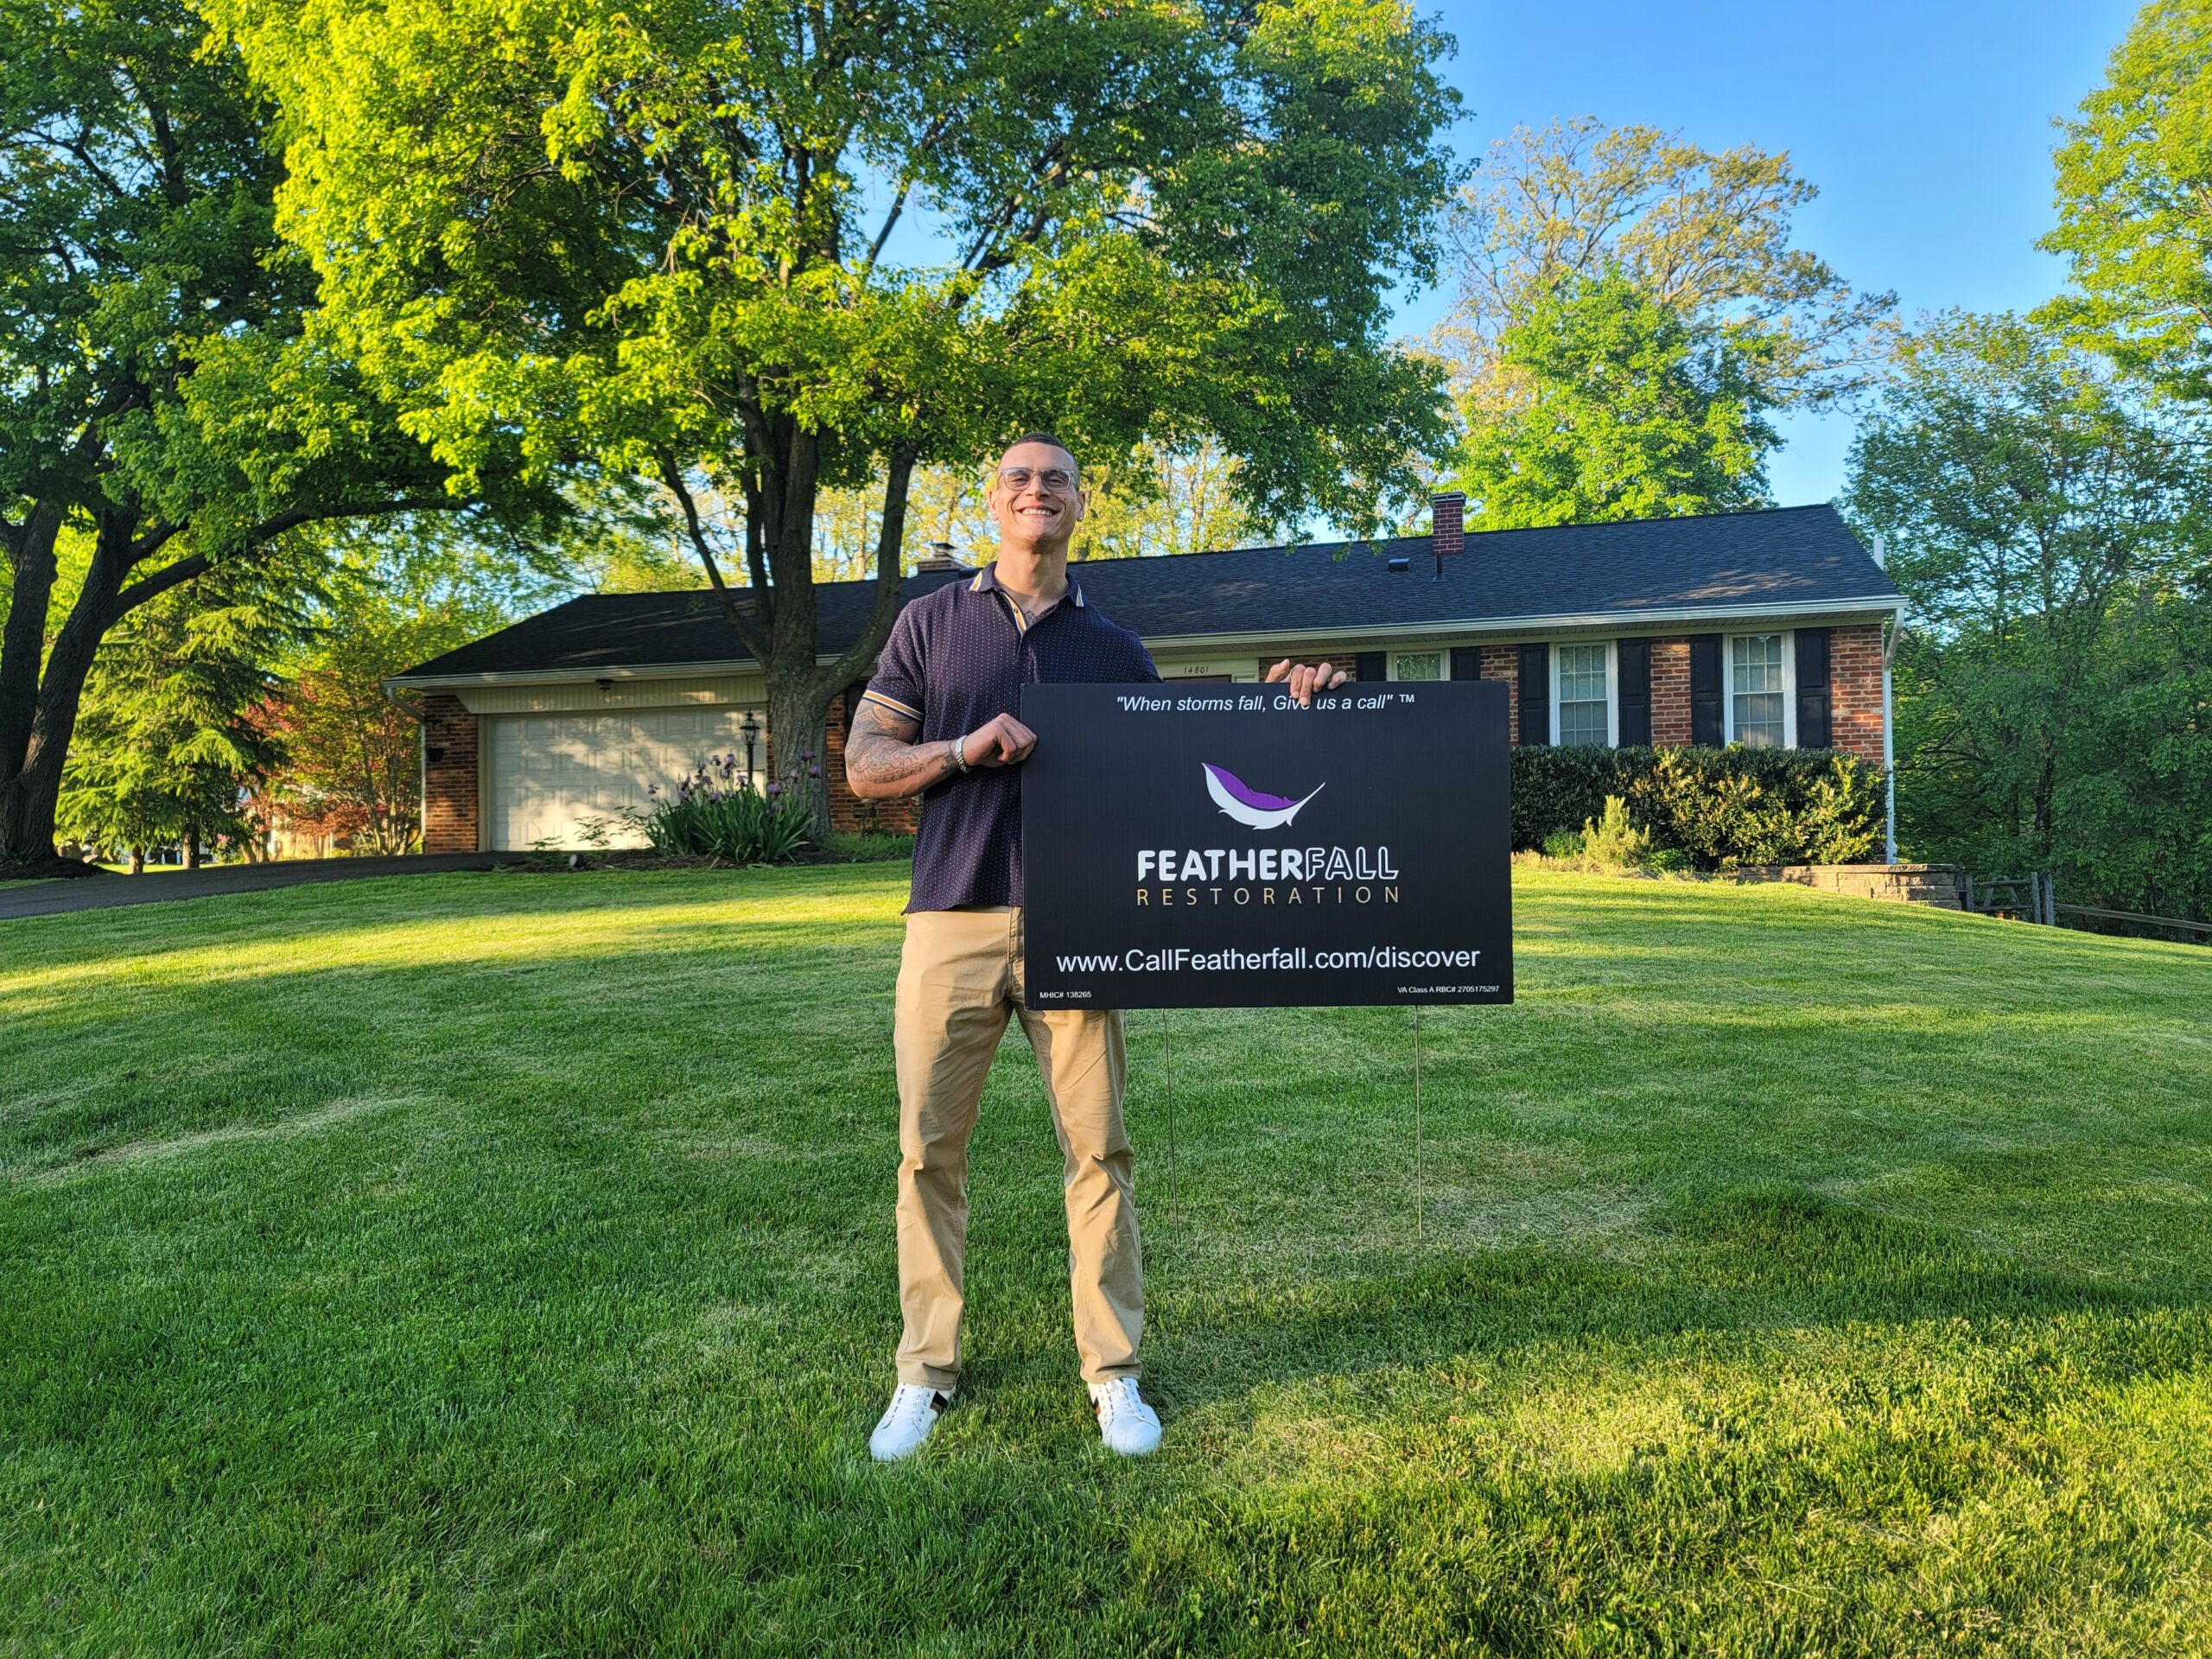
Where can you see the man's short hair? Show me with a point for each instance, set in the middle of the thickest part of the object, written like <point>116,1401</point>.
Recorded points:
<point>1042,437</point>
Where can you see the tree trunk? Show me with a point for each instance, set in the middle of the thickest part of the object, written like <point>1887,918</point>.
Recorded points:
<point>781,470</point>
<point>137,861</point>
<point>33,571</point>
<point>40,710</point>
<point>192,849</point>
<point>803,696</point>
<point>27,812</point>
<point>798,719</point>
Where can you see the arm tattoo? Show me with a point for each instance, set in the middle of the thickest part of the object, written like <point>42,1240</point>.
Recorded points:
<point>881,752</point>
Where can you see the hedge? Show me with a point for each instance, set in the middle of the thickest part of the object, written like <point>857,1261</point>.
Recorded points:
<point>1721,807</point>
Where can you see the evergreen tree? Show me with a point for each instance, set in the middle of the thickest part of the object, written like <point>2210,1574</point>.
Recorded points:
<point>174,740</point>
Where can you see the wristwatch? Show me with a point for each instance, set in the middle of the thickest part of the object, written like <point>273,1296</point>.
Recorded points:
<point>960,752</point>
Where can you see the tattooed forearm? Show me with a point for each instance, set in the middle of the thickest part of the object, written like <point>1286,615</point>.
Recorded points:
<point>882,760</point>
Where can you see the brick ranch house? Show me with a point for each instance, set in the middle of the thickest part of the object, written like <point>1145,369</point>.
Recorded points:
<point>1757,627</point>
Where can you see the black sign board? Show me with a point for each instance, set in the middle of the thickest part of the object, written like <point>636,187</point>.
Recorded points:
<point>1217,846</point>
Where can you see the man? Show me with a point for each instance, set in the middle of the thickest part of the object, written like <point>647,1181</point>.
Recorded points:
<point>939,720</point>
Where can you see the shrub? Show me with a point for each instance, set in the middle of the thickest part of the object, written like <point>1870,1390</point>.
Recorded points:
<point>1763,806</point>
<point>1613,841</point>
<point>715,813</point>
<point>1563,844</point>
<point>1611,844</point>
<point>1558,790</point>
<point>1711,807</point>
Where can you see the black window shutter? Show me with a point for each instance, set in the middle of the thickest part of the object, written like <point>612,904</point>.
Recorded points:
<point>1706,726</point>
<point>1466,662</point>
<point>1634,658</point>
<point>1815,727</point>
<point>1535,694</point>
<point>1371,666</point>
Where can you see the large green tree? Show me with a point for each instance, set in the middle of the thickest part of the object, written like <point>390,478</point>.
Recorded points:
<point>754,249</point>
<point>2046,521</point>
<point>1603,401</point>
<point>2135,198</point>
<point>1710,234</point>
<point>163,394</point>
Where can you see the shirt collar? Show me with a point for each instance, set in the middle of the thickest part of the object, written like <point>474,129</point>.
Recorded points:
<point>986,582</point>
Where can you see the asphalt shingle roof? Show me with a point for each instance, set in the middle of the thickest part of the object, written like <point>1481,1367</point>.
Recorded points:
<point>1748,561</point>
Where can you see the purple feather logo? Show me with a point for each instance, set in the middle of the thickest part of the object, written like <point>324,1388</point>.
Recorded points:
<point>1250,807</point>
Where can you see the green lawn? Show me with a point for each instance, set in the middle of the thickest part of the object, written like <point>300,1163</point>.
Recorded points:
<point>502,1264</point>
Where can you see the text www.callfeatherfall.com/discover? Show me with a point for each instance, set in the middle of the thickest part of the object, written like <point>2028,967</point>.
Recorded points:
<point>1281,959</point>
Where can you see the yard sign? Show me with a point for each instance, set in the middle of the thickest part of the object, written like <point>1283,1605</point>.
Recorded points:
<point>1217,846</point>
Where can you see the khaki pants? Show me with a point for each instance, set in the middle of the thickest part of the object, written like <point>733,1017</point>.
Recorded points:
<point>958,980</point>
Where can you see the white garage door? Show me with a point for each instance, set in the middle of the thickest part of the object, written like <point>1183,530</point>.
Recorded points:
<point>546,772</point>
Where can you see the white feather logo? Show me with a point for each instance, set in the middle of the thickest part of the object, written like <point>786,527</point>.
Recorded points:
<point>1250,806</point>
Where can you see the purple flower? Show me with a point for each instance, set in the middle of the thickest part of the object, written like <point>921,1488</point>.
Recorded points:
<point>775,789</point>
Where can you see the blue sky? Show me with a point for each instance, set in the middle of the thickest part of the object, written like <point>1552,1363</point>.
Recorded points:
<point>1927,127</point>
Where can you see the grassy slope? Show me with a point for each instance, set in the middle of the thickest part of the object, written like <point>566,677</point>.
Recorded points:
<point>504,1263</point>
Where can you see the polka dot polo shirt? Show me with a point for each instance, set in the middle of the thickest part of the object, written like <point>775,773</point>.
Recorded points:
<point>957,658</point>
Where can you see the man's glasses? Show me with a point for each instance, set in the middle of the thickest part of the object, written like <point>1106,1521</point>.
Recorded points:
<point>1053,481</point>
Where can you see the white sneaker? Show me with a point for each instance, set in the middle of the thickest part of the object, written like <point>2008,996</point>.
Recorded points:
<point>1125,1422</point>
<point>907,1423</point>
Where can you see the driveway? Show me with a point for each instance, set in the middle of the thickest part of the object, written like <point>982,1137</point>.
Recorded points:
<point>100,892</point>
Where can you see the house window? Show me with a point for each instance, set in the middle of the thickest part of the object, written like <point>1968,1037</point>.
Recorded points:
<point>1417,665</point>
<point>1758,714</point>
<point>1582,674</point>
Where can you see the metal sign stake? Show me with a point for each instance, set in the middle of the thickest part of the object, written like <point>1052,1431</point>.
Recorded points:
<point>1419,1183</point>
<point>1174,1178</point>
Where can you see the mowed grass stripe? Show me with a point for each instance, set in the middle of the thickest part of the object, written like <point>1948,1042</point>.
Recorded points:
<point>502,1264</point>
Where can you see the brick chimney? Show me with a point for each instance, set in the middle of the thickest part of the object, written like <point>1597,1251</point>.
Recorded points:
<point>1446,535</point>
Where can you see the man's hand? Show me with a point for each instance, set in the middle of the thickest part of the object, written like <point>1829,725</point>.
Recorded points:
<point>1305,680</point>
<point>1002,741</point>
<point>884,763</point>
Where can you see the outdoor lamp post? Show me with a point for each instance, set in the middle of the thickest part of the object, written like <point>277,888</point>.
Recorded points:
<point>749,728</point>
